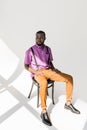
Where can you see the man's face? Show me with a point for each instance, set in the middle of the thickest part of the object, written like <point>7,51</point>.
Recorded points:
<point>40,39</point>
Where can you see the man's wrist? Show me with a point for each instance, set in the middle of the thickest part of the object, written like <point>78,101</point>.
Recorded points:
<point>35,71</point>
<point>32,70</point>
<point>53,68</point>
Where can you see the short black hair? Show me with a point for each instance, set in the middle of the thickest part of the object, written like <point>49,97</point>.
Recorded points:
<point>39,32</point>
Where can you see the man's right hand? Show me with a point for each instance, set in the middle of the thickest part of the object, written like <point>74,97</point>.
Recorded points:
<point>38,72</point>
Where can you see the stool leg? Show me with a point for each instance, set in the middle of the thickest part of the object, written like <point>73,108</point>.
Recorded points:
<point>31,90</point>
<point>47,92</point>
<point>53,93</point>
<point>37,96</point>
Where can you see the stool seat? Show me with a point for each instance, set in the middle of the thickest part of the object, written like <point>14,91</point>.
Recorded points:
<point>49,81</point>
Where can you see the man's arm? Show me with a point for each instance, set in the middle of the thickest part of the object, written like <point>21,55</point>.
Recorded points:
<point>51,59</point>
<point>53,68</point>
<point>37,72</point>
<point>29,69</point>
<point>26,66</point>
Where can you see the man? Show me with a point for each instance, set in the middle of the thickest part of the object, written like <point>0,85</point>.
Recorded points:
<point>46,70</point>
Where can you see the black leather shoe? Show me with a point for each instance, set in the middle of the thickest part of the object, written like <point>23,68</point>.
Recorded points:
<point>45,119</point>
<point>71,108</point>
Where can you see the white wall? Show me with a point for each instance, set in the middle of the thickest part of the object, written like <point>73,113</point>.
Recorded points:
<point>65,23</point>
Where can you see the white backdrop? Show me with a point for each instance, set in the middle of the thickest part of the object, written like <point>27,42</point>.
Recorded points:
<point>65,24</point>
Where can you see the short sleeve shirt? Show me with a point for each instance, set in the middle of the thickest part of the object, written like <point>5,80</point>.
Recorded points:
<point>42,54</point>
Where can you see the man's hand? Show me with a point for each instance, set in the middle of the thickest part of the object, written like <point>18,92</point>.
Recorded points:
<point>38,72</point>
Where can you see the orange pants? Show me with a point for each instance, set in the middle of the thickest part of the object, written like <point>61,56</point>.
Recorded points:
<point>55,76</point>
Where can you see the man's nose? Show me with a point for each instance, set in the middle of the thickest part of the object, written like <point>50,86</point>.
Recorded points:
<point>39,40</point>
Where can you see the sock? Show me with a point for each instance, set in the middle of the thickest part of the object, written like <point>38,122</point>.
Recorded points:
<point>68,103</point>
<point>44,110</point>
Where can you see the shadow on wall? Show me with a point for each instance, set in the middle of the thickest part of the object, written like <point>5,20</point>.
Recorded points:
<point>13,70</point>
<point>11,65</point>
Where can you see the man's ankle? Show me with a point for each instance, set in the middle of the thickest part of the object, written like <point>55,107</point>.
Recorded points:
<point>68,103</point>
<point>44,110</point>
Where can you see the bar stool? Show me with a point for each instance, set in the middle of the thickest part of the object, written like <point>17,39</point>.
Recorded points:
<point>50,84</point>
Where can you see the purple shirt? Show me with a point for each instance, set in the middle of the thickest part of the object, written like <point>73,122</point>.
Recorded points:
<point>41,55</point>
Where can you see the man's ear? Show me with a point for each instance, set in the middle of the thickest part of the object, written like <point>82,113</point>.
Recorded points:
<point>45,38</point>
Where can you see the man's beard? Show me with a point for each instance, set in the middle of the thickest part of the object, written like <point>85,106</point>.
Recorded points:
<point>40,44</point>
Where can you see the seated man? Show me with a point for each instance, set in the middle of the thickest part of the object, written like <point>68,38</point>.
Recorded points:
<point>46,70</point>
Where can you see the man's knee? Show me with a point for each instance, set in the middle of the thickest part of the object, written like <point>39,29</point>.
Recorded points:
<point>70,78</point>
